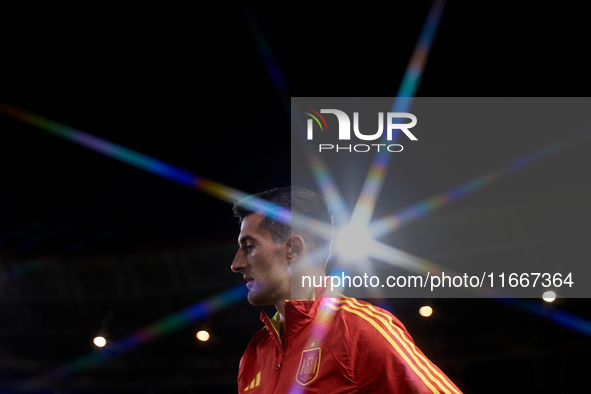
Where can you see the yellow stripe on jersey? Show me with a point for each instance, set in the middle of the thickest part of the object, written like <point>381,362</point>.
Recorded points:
<point>388,338</point>
<point>406,342</point>
<point>255,382</point>
<point>275,322</point>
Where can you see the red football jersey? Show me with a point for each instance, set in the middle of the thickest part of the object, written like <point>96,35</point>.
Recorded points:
<point>337,345</point>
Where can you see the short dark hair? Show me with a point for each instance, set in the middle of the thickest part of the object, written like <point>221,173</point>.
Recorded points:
<point>300,201</point>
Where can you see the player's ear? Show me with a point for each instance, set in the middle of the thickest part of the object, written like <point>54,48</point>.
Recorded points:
<point>297,246</point>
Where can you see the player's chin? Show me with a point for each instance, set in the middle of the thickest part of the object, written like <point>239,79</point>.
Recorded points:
<point>257,299</point>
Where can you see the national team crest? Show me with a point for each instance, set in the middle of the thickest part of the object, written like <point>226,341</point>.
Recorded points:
<point>309,365</point>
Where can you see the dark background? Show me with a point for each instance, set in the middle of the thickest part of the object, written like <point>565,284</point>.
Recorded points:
<point>89,245</point>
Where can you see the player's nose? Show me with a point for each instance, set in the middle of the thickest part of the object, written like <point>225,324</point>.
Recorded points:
<point>239,262</point>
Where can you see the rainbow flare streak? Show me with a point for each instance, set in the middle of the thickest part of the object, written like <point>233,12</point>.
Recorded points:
<point>161,168</point>
<point>165,326</point>
<point>560,318</point>
<point>410,82</point>
<point>392,222</point>
<point>371,188</point>
<point>273,68</point>
<point>175,174</point>
<point>323,178</point>
<point>329,189</point>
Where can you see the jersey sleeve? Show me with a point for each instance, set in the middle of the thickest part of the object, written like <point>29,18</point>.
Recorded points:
<point>384,357</point>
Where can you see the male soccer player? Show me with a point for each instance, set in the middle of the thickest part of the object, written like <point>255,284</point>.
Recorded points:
<point>317,344</point>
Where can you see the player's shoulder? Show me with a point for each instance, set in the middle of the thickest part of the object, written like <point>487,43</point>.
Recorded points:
<point>260,339</point>
<point>359,316</point>
<point>260,345</point>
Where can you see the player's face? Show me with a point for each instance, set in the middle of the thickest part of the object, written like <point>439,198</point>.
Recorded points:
<point>263,263</point>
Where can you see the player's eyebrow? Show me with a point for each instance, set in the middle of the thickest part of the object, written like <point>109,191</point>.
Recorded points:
<point>245,238</point>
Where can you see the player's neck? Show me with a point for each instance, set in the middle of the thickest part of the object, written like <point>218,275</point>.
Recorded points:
<point>280,305</point>
<point>281,309</point>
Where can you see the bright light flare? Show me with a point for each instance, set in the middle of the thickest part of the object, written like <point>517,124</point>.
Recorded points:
<point>99,341</point>
<point>426,311</point>
<point>549,296</point>
<point>203,336</point>
<point>353,242</point>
